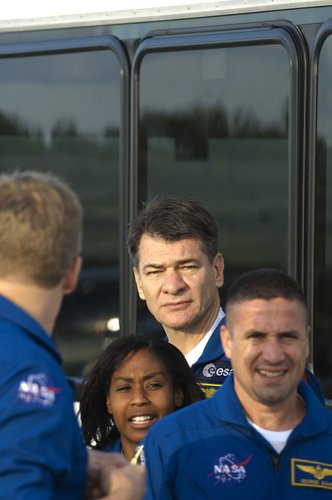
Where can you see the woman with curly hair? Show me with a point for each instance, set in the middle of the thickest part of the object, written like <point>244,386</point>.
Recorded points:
<point>136,381</point>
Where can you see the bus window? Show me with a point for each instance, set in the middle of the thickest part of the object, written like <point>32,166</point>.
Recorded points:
<point>60,113</point>
<point>323,224</point>
<point>214,125</point>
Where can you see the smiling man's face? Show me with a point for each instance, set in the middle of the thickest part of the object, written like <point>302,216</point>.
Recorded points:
<point>267,341</point>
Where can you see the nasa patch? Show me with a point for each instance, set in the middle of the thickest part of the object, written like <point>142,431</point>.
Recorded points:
<point>35,389</point>
<point>230,469</point>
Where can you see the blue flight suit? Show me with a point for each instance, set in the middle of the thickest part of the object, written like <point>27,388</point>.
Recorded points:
<point>209,450</point>
<point>42,455</point>
<point>213,367</point>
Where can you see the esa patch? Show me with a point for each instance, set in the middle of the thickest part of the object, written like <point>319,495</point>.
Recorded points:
<point>312,474</point>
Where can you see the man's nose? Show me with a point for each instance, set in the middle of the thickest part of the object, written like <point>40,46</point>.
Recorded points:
<point>273,350</point>
<point>173,282</point>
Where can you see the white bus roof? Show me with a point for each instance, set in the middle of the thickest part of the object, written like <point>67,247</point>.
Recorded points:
<point>34,14</point>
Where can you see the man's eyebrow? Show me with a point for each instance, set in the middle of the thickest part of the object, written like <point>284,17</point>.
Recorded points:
<point>188,261</point>
<point>255,331</point>
<point>179,262</point>
<point>290,332</point>
<point>278,334</point>
<point>153,266</point>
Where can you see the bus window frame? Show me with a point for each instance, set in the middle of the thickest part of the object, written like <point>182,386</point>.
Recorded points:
<point>85,44</point>
<point>311,175</point>
<point>280,32</point>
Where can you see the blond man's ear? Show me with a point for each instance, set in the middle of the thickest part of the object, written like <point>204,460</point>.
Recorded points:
<point>71,277</point>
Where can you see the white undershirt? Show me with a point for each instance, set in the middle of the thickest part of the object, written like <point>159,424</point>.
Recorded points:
<point>277,439</point>
<point>197,351</point>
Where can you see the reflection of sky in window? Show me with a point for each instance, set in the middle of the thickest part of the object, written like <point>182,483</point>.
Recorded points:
<point>325,90</point>
<point>235,77</point>
<point>324,126</point>
<point>82,87</point>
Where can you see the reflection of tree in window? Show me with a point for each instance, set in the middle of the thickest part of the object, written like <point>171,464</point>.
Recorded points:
<point>64,127</point>
<point>191,128</point>
<point>13,125</point>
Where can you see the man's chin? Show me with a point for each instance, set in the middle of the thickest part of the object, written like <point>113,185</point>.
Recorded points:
<point>177,322</point>
<point>272,397</point>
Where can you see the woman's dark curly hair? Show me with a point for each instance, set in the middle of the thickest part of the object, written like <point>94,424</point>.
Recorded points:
<point>97,428</point>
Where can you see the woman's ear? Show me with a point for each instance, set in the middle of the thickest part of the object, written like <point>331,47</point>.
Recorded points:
<point>178,398</point>
<point>108,406</point>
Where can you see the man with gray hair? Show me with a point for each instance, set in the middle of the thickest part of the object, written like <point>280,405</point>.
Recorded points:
<point>179,270</point>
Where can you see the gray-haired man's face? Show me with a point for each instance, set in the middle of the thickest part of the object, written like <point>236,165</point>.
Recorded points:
<point>179,283</point>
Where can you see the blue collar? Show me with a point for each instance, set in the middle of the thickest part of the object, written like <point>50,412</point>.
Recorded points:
<point>14,315</point>
<point>314,422</point>
<point>213,348</point>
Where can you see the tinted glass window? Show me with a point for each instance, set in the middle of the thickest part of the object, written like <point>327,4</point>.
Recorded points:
<point>214,125</point>
<point>323,224</point>
<point>60,113</point>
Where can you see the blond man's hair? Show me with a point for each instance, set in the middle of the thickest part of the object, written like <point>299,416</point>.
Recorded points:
<point>40,228</point>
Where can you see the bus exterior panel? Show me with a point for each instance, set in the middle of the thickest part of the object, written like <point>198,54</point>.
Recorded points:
<point>229,102</point>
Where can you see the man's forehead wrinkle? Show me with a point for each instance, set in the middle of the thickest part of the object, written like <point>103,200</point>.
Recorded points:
<point>163,253</point>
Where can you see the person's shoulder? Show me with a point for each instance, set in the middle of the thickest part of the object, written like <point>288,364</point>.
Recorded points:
<point>22,356</point>
<point>320,426</point>
<point>314,383</point>
<point>33,379</point>
<point>26,349</point>
<point>190,418</point>
<point>318,417</point>
<point>327,414</point>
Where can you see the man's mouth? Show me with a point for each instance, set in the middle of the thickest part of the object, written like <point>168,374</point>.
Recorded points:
<point>271,374</point>
<point>177,304</point>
